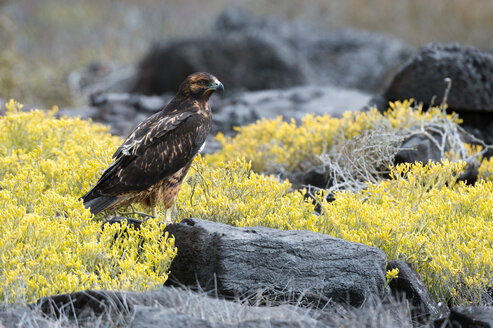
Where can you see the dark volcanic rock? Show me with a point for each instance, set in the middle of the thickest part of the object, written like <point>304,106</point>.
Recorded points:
<point>317,176</point>
<point>418,148</point>
<point>408,283</point>
<point>171,307</point>
<point>86,306</point>
<point>165,307</point>
<point>422,78</point>
<point>468,317</point>
<point>134,223</point>
<point>471,94</point>
<point>252,61</point>
<point>281,265</point>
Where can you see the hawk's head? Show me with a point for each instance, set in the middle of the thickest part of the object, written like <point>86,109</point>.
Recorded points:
<point>200,85</point>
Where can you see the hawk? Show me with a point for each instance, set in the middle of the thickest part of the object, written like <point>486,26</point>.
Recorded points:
<point>152,162</point>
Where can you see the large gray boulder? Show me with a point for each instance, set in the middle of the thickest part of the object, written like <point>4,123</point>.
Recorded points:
<point>163,307</point>
<point>242,61</point>
<point>280,265</point>
<point>255,53</point>
<point>344,57</point>
<point>422,78</point>
<point>471,94</point>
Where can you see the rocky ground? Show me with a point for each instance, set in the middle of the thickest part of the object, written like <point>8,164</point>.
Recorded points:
<point>259,277</point>
<point>272,67</point>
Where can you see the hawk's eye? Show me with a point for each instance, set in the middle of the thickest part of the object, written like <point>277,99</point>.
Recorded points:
<point>203,82</point>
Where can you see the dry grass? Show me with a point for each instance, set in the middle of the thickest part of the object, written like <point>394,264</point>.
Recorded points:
<point>365,159</point>
<point>125,309</point>
<point>353,164</point>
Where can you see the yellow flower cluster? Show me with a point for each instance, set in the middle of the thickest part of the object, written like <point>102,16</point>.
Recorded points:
<point>48,241</point>
<point>273,145</point>
<point>231,193</point>
<point>424,216</point>
<point>486,169</point>
<point>391,274</point>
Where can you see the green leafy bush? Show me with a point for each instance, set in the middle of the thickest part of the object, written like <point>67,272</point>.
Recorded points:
<point>48,241</point>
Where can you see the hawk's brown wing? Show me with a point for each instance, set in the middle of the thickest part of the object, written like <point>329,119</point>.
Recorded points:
<point>149,131</point>
<point>157,148</point>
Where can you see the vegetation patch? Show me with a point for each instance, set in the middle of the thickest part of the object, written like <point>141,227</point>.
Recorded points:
<point>421,215</point>
<point>230,192</point>
<point>354,150</point>
<point>49,243</point>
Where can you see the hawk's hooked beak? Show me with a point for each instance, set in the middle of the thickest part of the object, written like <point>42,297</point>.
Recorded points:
<point>217,86</point>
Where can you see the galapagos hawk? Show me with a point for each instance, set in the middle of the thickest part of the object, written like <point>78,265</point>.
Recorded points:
<point>152,162</point>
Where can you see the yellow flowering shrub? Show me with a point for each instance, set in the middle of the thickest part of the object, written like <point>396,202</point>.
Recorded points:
<point>421,215</point>
<point>50,244</point>
<point>486,169</point>
<point>48,241</point>
<point>424,216</point>
<point>231,193</point>
<point>273,145</point>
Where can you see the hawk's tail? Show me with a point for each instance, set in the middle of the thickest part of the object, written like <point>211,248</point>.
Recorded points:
<point>98,203</point>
